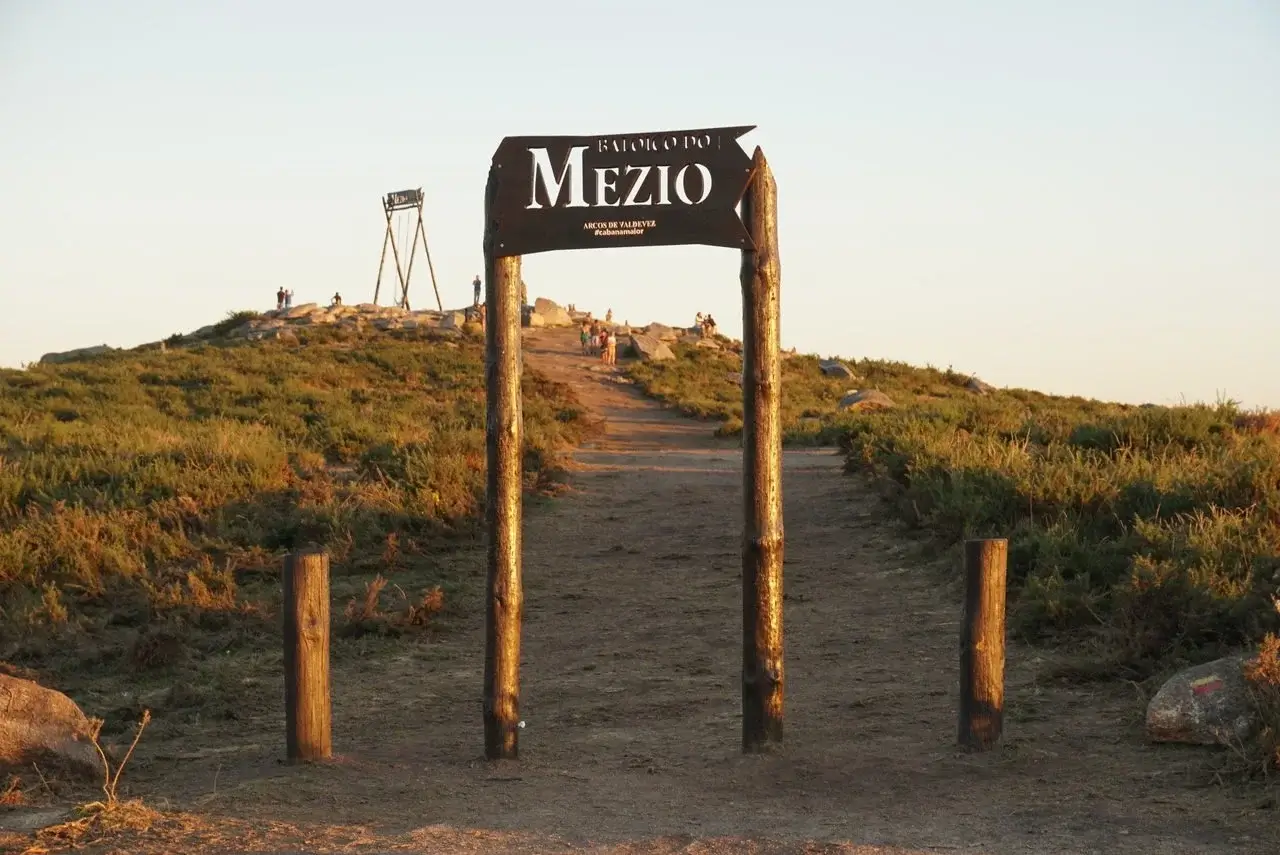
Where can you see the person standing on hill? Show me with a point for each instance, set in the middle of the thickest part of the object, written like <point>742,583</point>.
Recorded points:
<point>475,287</point>
<point>280,298</point>
<point>288,298</point>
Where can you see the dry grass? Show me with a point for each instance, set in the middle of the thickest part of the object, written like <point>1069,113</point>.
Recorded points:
<point>1145,538</point>
<point>148,498</point>
<point>1263,676</point>
<point>99,821</point>
<point>369,614</point>
<point>107,817</point>
<point>12,794</point>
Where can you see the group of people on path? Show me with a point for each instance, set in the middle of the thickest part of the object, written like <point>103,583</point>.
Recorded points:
<point>599,340</point>
<point>706,325</point>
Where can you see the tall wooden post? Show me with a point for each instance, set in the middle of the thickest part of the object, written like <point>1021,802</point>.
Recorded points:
<point>306,656</point>
<point>431,268</point>
<point>382,262</point>
<point>762,534</point>
<point>503,441</point>
<point>982,636</point>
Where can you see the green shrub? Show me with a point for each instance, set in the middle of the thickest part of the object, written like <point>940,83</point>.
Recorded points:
<point>1153,529</point>
<point>151,488</point>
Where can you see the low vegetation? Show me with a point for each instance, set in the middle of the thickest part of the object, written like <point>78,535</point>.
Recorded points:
<point>147,500</point>
<point>1151,535</point>
<point>704,384</point>
<point>1263,676</point>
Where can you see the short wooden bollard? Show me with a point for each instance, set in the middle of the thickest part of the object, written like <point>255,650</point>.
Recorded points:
<point>982,644</point>
<point>306,656</point>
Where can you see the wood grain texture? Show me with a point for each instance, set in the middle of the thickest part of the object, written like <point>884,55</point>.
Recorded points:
<point>503,501</point>
<point>982,644</point>
<point>762,530</point>
<point>308,717</point>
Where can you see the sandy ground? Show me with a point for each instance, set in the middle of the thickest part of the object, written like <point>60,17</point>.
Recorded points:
<point>631,699</point>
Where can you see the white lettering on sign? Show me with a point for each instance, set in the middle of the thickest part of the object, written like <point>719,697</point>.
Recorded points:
<point>619,228</point>
<point>553,183</point>
<point>671,142</point>
<point>683,192</point>
<point>620,186</point>
<point>606,180</point>
<point>635,186</point>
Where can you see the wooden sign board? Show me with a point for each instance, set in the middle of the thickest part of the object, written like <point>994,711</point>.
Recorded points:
<point>644,189</point>
<point>404,199</point>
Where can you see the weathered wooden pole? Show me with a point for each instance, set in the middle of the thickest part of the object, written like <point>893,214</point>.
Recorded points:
<point>504,430</point>
<point>982,644</point>
<point>762,535</point>
<point>307,709</point>
<point>431,268</point>
<point>382,262</point>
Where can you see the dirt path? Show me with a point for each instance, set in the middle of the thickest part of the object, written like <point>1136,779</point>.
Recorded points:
<point>630,692</point>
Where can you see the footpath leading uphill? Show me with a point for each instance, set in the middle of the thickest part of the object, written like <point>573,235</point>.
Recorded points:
<point>630,694</point>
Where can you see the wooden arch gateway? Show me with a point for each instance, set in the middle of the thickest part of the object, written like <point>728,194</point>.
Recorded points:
<point>638,189</point>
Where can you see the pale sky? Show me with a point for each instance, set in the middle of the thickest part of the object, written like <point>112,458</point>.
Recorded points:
<point>1075,197</point>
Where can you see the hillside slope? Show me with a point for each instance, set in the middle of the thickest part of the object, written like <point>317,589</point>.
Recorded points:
<point>1150,533</point>
<point>147,497</point>
<point>630,688</point>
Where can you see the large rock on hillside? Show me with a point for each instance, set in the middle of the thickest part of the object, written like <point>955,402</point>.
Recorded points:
<point>73,355</point>
<point>1205,705</point>
<point>836,368</point>
<point>300,311</point>
<point>553,315</point>
<point>453,320</point>
<point>650,349</point>
<point>39,725</point>
<point>284,334</point>
<point>662,332</point>
<point>976,385</point>
<point>202,333</point>
<point>865,399</point>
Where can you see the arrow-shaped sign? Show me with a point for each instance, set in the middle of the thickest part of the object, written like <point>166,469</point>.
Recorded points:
<point>648,189</point>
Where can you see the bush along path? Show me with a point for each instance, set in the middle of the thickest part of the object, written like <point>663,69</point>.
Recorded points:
<point>1144,538</point>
